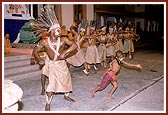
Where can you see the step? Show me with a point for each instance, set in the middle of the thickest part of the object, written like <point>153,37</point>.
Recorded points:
<point>22,51</point>
<point>25,75</point>
<point>20,69</point>
<point>12,64</point>
<point>16,58</point>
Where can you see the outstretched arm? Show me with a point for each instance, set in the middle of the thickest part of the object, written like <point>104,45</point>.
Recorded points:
<point>137,66</point>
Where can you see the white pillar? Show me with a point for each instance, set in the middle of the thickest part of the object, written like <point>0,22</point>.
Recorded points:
<point>31,13</point>
<point>67,15</point>
<point>90,12</point>
<point>101,21</point>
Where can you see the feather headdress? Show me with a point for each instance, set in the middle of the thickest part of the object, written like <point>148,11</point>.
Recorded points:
<point>82,26</point>
<point>93,24</point>
<point>47,20</point>
<point>112,26</point>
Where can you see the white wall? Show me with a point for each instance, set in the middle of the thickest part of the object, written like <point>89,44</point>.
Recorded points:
<point>90,12</point>
<point>67,15</point>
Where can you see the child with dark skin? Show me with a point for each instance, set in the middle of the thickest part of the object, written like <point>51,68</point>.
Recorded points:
<point>110,75</point>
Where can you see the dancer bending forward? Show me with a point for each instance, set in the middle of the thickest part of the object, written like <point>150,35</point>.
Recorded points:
<point>110,75</point>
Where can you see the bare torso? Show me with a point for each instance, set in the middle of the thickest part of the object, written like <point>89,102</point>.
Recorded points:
<point>114,66</point>
<point>47,48</point>
<point>50,47</point>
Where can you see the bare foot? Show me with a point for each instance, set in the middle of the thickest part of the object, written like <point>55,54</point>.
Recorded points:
<point>92,94</point>
<point>110,97</point>
<point>43,92</point>
<point>86,72</point>
<point>47,107</point>
<point>69,99</point>
<point>95,71</point>
<point>32,61</point>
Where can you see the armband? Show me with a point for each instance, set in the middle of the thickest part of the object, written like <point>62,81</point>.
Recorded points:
<point>40,47</point>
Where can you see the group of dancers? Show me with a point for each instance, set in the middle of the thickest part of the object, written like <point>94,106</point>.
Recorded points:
<point>98,45</point>
<point>81,45</point>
